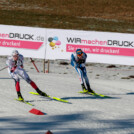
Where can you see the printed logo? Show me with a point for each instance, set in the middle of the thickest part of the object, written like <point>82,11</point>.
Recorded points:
<point>107,47</point>
<point>17,40</point>
<point>54,42</point>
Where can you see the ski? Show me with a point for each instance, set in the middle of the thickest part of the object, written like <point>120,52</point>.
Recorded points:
<point>54,98</point>
<point>24,102</point>
<point>95,94</point>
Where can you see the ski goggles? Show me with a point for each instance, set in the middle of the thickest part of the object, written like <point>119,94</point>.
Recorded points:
<point>79,54</point>
<point>15,56</point>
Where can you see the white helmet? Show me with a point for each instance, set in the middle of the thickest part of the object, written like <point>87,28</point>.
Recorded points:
<point>15,52</point>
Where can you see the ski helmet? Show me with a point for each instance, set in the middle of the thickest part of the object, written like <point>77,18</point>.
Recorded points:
<point>15,52</point>
<point>79,52</point>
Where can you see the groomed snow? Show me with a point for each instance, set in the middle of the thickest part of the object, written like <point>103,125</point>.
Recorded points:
<point>85,115</point>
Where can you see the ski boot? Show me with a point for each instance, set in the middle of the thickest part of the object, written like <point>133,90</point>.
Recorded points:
<point>84,88</point>
<point>20,96</point>
<point>41,93</point>
<point>89,89</point>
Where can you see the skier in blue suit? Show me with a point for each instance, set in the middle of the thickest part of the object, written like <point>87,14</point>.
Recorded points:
<point>78,60</point>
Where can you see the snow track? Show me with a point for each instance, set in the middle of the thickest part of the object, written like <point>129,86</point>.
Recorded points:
<point>85,115</point>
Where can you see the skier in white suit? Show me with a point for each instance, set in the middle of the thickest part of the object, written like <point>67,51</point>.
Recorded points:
<point>15,69</point>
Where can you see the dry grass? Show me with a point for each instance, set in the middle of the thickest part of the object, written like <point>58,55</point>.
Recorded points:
<point>99,15</point>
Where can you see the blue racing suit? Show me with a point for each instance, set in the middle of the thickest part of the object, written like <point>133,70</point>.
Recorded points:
<point>79,65</point>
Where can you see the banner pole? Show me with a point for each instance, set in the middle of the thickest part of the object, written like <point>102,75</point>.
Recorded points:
<point>34,64</point>
<point>44,66</point>
<point>48,66</point>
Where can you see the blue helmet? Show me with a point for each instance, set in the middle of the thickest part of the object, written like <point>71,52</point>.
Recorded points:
<point>79,51</point>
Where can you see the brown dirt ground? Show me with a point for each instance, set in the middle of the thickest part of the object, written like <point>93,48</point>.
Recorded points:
<point>99,15</point>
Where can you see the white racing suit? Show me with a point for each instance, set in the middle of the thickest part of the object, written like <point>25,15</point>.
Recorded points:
<point>18,70</point>
<point>15,69</point>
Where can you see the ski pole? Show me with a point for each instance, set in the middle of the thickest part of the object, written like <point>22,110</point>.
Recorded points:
<point>3,68</point>
<point>34,64</point>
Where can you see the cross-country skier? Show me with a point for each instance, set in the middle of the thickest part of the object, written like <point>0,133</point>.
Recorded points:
<point>15,69</point>
<point>78,60</point>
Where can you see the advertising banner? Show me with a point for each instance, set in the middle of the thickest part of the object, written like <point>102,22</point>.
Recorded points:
<point>101,47</point>
<point>28,41</point>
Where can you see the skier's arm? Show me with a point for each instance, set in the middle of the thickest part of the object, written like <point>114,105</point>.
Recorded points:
<point>85,57</point>
<point>21,61</point>
<point>22,66</point>
<point>82,64</point>
<point>73,61</point>
<point>11,65</point>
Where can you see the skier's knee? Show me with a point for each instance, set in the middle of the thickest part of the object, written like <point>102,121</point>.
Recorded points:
<point>16,80</point>
<point>28,80</point>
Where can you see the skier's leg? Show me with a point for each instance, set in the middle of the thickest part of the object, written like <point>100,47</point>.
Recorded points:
<point>18,90</point>
<point>86,80</point>
<point>37,89</point>
<point>17,84</point>
<point>26,77</point>
<point>79,71</point>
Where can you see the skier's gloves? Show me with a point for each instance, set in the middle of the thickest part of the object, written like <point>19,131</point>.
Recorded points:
<point>82,65</point>
<point>22,66</point>
<point>13,69</point>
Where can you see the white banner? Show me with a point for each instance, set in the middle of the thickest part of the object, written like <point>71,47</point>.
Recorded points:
<point>28,41</point>
<point>101,47</point>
